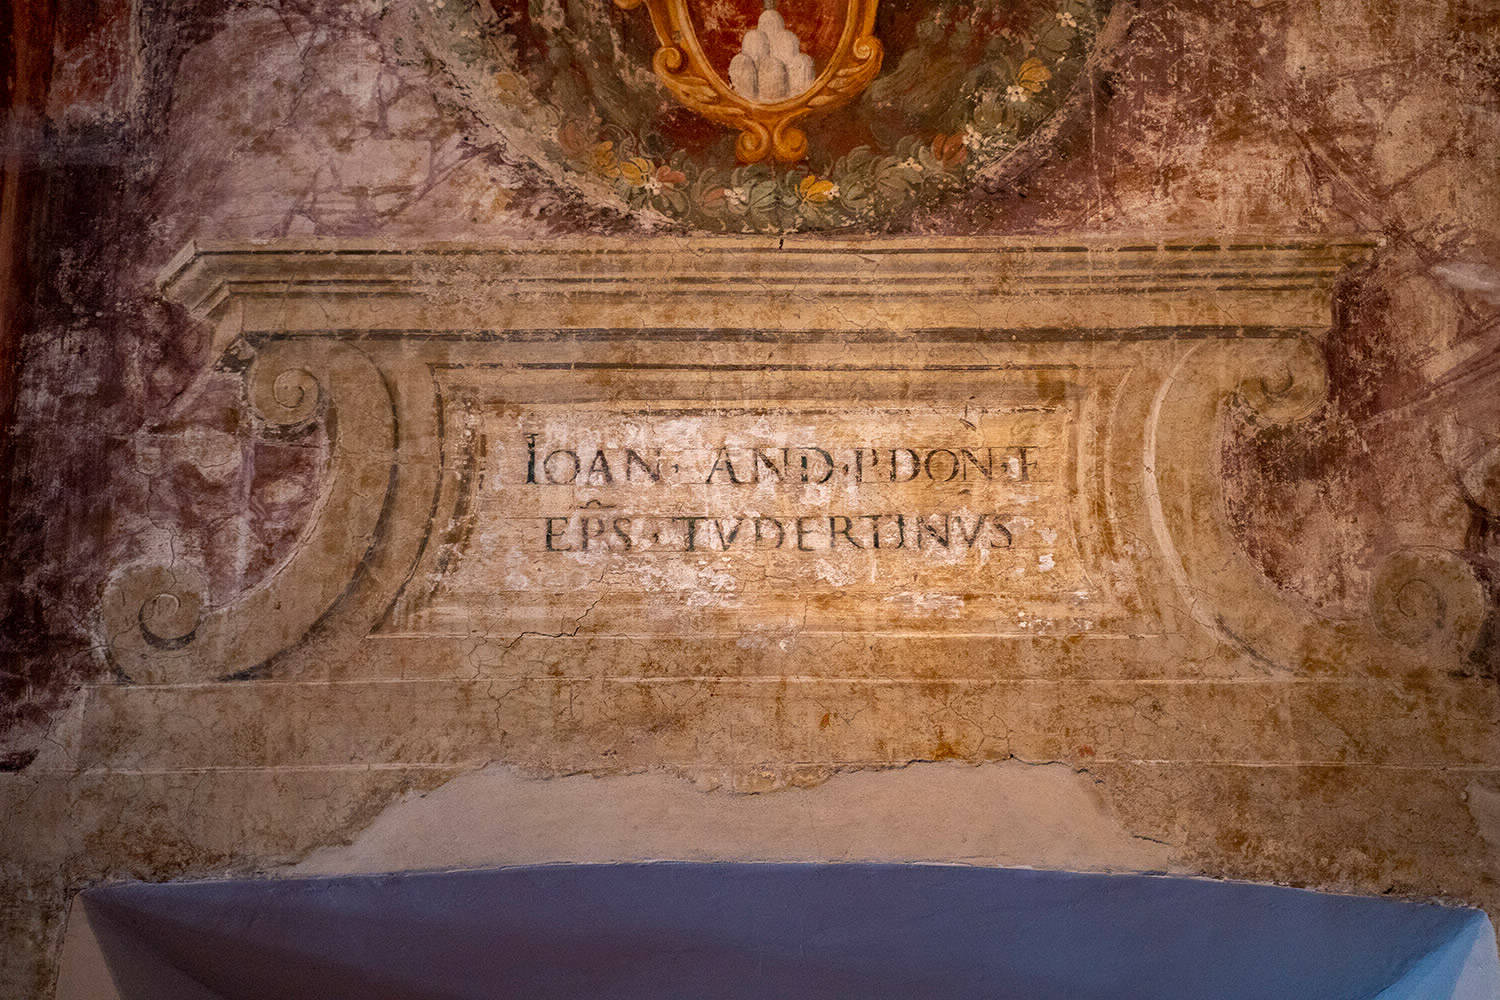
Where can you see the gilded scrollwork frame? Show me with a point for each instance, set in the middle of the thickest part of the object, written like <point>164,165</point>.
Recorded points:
<point>766,129</point>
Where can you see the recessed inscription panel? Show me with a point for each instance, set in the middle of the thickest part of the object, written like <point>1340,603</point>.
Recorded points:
<point>666,517</point>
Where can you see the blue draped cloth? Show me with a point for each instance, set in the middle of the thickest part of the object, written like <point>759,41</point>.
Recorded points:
<point>781,932</point>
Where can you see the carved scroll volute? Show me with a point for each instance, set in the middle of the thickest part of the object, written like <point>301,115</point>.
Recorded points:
<point>159,625</point>
<point>766,129</point>
<point>1426,605</point>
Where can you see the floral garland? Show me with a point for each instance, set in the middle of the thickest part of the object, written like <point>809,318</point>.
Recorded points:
<point>994,102</point>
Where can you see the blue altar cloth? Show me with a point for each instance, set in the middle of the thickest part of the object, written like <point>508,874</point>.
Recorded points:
<point>781,932</point>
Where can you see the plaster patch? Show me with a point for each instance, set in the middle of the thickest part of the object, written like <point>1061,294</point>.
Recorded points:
<point>1009,813</point>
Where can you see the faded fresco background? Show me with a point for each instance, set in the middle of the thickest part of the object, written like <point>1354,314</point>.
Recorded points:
<point>169,120</point>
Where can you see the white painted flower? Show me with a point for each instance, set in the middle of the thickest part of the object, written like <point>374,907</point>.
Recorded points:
<point>737,196</point>
<point>1016,94</point>
<point>1066,20</point>
<point>910,163</point>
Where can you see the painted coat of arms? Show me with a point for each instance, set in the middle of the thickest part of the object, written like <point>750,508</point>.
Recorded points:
<point>777,115</point>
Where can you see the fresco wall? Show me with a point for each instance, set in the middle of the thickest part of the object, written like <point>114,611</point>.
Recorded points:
<point>1342,155</point>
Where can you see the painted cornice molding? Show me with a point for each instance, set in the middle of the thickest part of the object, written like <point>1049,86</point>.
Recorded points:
<point>798,283</point>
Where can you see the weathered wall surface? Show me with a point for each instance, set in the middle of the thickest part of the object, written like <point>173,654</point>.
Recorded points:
<point>174,121</point>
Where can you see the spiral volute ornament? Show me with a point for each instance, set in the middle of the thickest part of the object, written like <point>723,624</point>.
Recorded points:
<point>149,610</point>
<point>1292,386</point>
<point>282,391</point>
<point>1429,597</point>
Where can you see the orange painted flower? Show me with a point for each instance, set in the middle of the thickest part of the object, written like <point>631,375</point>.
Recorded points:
<point>949,150</point>
<point>605,161</point>
<point>817,190</point>
<point>669,177</point>
<point>1033,75</point>
<point>636,171</point>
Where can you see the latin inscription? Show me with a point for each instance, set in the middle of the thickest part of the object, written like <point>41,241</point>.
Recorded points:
<point>672,517</point>
<point>595,527</point>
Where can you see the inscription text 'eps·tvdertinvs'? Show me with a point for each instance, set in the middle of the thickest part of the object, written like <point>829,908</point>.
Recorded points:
<point>817,473</point>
